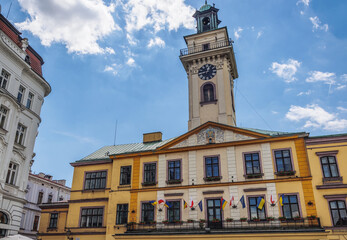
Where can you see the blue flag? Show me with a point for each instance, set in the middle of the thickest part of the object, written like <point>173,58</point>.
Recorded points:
<point>242,201</point>
<point>200,205</point>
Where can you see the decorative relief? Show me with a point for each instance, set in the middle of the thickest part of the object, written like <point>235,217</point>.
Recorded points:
<point>210,135</point>
<point>219,64</point>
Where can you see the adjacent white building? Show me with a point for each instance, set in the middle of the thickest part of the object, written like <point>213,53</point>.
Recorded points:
<point>22,90</point>
<point>41,189</point>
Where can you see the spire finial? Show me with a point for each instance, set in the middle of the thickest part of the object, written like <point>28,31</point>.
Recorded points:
<point>205,2</point>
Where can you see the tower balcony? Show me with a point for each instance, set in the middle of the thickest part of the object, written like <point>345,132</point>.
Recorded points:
<point>205,47</point>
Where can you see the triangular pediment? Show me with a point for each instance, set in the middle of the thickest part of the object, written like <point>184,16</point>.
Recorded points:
<point>212,133</point>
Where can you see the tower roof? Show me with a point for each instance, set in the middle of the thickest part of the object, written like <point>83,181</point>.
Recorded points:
<point>205,7</point>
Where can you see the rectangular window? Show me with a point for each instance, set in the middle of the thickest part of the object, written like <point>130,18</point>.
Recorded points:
<point>53,220</point>
<point>125,175</point>
<point>174,212</point>
<point>283,160</point>
<point>91,217</point>
<point>50,198</point>
<point>147,212</point>
<point>3,116</point>
<point>4,78</point>
<point>338,212</point>
<point>149,173</point>
<point>122,214</point>
<point>95,180</point>
<point>329,167</point>
<point>174,170</point>
<point>252,163</point>
<point>205,46</point>
<point>30,100</point>
<point>20,94</point>
<point>212,166</point>
<point>39,198</point>
<point>20,134</point>
<point>254,211</point>
<point>12,174</point>
<point>290,206</point>
<point>36,223</point>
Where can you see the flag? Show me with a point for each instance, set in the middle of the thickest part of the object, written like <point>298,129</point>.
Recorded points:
<point>185,205</point>
<point>191,203</point>
<point>231,201</point>
<point>281,200</point>
<point>200,205</point>
<point>167,204</point>
<point>261,202</point>
<point>160,201</point>
<point>223,203</point>
<point>242,201</point>
<point>153,203</point>
<point>271,200</point>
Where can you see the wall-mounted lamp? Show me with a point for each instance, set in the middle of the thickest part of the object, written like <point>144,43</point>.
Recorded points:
<point>133,211</point>
<point>310,203</point>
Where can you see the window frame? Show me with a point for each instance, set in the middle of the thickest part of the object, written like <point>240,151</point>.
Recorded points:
<point>219,167</point>
<point>11,176</point>
<point>202,95</point>
<point>50,198</point>
<point>118,214</point>
<point>30,100</point>
<point>129,175</point>
<point>264,207</point>
<point>329,154</point>
<point>55,220</point>
<point>36,224</point>
<point>299,202</point>
<point>155,176</point>
<point>154,211</point>
<point>275,162</point>
<point>332,198</point>
<point>20,134</point>
<point>3,116</point>
<point>93,189</point>
<point>20,94</point>
<point>4,77</point>
<point>92,207</point>
<point>168,209</point>
<point>40,200</point>
<point>252,175</point>
<point>172,181</point>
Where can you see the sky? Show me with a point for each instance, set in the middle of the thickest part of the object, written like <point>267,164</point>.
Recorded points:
<point>116,62</point>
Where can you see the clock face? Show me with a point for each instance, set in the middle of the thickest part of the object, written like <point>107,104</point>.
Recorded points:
<point>207,72</point>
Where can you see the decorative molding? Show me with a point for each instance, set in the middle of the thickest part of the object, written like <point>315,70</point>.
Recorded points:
<point>173,194</point>
<point>327,153</point>
<point>331,186</point>
<point>254,189</point>
<point>218,135</point>
<point>335,196</point>
<point>213,192</point>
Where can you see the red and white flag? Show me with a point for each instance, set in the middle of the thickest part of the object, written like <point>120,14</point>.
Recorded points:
<point>160,201</point>
<point>191,203</point>
<point>271,200</point>
<point>231,200</point>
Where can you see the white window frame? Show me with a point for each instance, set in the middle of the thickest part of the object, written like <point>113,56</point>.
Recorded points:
<point>4,78</point>
<point>20,134</point>
<point>3,116</point>
<point>12,173</point>
<point>21,92</point>
<point>30,100</point>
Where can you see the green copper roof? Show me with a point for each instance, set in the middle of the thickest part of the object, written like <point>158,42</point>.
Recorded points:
<point>205,7</point>
<point>271,133</point>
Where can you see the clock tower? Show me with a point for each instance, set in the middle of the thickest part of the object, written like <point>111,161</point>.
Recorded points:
<point>210,64</point>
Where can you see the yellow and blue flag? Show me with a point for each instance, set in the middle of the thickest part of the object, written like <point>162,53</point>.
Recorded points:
<point>185,204</point>
<point>167,204</point>
<point>281,200</point>
<point>261,203</point>
<point>223,203</point>
<point>153,203</point>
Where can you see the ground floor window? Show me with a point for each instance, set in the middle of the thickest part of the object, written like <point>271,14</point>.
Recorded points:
<point>147,213</point>
<point>338,212</point>
<point>2,232</point>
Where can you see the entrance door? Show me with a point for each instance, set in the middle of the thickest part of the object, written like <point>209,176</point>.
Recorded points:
<point>214,214</point>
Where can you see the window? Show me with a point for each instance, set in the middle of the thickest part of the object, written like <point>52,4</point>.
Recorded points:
<point>95,180</point>
<point>147,212</point>
<point>283,160</point>
<point>61,198</point>
<point>206,23</point>
<point>252,163</point>
<point>212,167</point>
<point>12,173</point>
<point>290,206</point>
<point>4,78</point>
<point>53,220</point>
<point>92,217</point>
<point>39,198</point>
<point>174,212</point>
<point>3,116</point>
<point>149,174</point>
<point>338,212</point>
<point>20,133</point>
<point>208,93</point>
<point>125,175</point>
<point>49,199</point>
<point>174,170</point>
<point>30,100</point>
<point>36,223</point>
<point>20,94</point>
<point>205,46</point>
<point>3,218</point>
<point>254,211</point>
<point>122,214</point>
<point>329,166</point>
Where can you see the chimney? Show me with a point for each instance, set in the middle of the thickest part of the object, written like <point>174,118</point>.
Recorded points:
<point>152,137</point>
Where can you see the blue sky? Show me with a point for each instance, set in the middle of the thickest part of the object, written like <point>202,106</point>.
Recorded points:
<point>115,60</point>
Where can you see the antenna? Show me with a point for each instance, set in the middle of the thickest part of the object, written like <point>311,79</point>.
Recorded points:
<point>115,133</point>
<point>9,9</point>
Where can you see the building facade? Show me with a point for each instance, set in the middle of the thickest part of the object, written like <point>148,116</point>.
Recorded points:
<point>41,189</point>
<point>22,90</point>
<point>215,181</point>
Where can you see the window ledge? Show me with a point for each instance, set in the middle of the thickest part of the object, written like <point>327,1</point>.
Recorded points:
<point>124,186</point>
<point>331,179</point>
<point>145,184</point>
<point>19,146</point>
<point>95,190</point>
<point>209,102</point>
<point>11,185</point>
<point>3,131</point>
<point>212,179</point>
<point>52,229</point>
<point>258,175</point>
<point>176,181</point>
<point>285,173</point>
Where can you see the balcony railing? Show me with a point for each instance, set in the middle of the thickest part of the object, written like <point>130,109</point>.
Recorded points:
<point>205,47</point>
<point>303,224</point>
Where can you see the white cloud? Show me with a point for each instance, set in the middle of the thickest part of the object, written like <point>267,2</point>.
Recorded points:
<point>340,87</point>
<point>237,32</point>
<point>131,62</point>
<point>132,41</point>
<point>302,13</point>
<point>304,93</point>
<point>317,25</point>
<point>305,2</point>
<point>158,15</point>
<point>325,77</point>
<point>316,117</point>
<point>112,69</point>
<point>259,34</point>
<point>274,112</point>
<point>342,109</point>
<point>157,41</point>
<point>286,70</point>
<point>109,50</point>
<point>344,77</point>
<point>79,24</point>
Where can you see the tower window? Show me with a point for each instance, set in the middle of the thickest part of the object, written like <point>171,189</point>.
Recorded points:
<point>206,23</point>
<point>208,93</point>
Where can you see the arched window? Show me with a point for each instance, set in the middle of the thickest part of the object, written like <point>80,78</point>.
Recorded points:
<point>3,218</point>
<point>206,24</point>
<point>208,93</point>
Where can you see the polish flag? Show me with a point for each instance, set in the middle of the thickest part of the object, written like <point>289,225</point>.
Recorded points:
<point>231,201</point>
<point>160,201</point>
<point>191,203</point>
<point>271,200</point>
